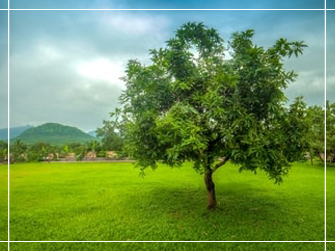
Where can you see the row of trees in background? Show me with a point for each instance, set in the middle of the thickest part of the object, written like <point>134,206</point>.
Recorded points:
<point>41,151</point>
<point>110,140</point>
<point>315,117</point>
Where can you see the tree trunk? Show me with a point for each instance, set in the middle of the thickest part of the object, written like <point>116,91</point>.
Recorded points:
<point>211,199</point>
<point>311,156</point>
<point>322,158</point>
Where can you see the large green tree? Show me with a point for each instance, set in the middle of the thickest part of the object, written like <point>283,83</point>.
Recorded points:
<point>109,135</point>
<point>199,101</point>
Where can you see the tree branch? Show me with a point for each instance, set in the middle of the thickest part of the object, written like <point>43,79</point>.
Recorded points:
<point>221,163</point>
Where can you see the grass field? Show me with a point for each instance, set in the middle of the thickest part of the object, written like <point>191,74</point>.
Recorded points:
<point>3,203</point>
<point>3,246</point>
<point>110,201</point>
<point>168,246</point>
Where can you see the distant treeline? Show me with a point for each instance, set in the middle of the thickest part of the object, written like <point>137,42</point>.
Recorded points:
<point>22,152</point>
<point>111,140</point>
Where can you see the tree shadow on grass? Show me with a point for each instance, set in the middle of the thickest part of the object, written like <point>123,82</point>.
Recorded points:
<point>194,200</point>
<point>244,214</point>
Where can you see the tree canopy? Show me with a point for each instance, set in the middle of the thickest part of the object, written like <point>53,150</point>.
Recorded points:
<point>110,137</point>
<point>203,102</point>
<point>330,131</point>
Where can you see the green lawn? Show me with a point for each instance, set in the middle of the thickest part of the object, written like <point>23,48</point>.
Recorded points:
<point>168,246</point>
<point>110,201</point>
<point>3,246</point>
<point>330,246</point>
<point>3,203</point>
<point>331,204</point>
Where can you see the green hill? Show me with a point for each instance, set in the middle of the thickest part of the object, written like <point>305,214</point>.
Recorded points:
<point>14,132</point>
<point>55,134</point>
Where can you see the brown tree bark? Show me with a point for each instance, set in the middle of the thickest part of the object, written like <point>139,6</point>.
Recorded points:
<point>211,199</point>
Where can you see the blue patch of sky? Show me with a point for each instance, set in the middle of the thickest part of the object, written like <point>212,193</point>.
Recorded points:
<point>3,4</point>
<point>330,4</point>
<point>3,67</point>
<point>4,39</point>
<point>331,25</point>
<point>65,24</point>
<point>93,35</point>
<point>167,4</point>
<point>331,55</point>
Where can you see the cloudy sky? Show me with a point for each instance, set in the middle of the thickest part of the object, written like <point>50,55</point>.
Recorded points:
<point>165,4</point>
<point>331,55</point>
<point>65,65</point>
<point>3,68</point>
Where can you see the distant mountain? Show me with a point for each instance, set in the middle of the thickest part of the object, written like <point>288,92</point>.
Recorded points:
<point>55,134</point>
<point>92,133</point>
<point>14,132</point>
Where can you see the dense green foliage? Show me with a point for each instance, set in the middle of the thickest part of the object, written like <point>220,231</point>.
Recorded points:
<point>18,151</point>
<point>104,201</point>
<point>192,104</point>
<point>40,151</point>
<point>330,131</point>
<point>168,246</point>
<point>21,152</point>
<point>189,107</point>
<point>3,150</point>
<point>55,134</point>
<point>110,138</point>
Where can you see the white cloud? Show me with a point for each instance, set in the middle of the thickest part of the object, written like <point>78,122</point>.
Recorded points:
<point>65,66</point>
<point>331,88</point>
<point>49,52</point>
<point>102,69</point>
<point>135,24</point>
